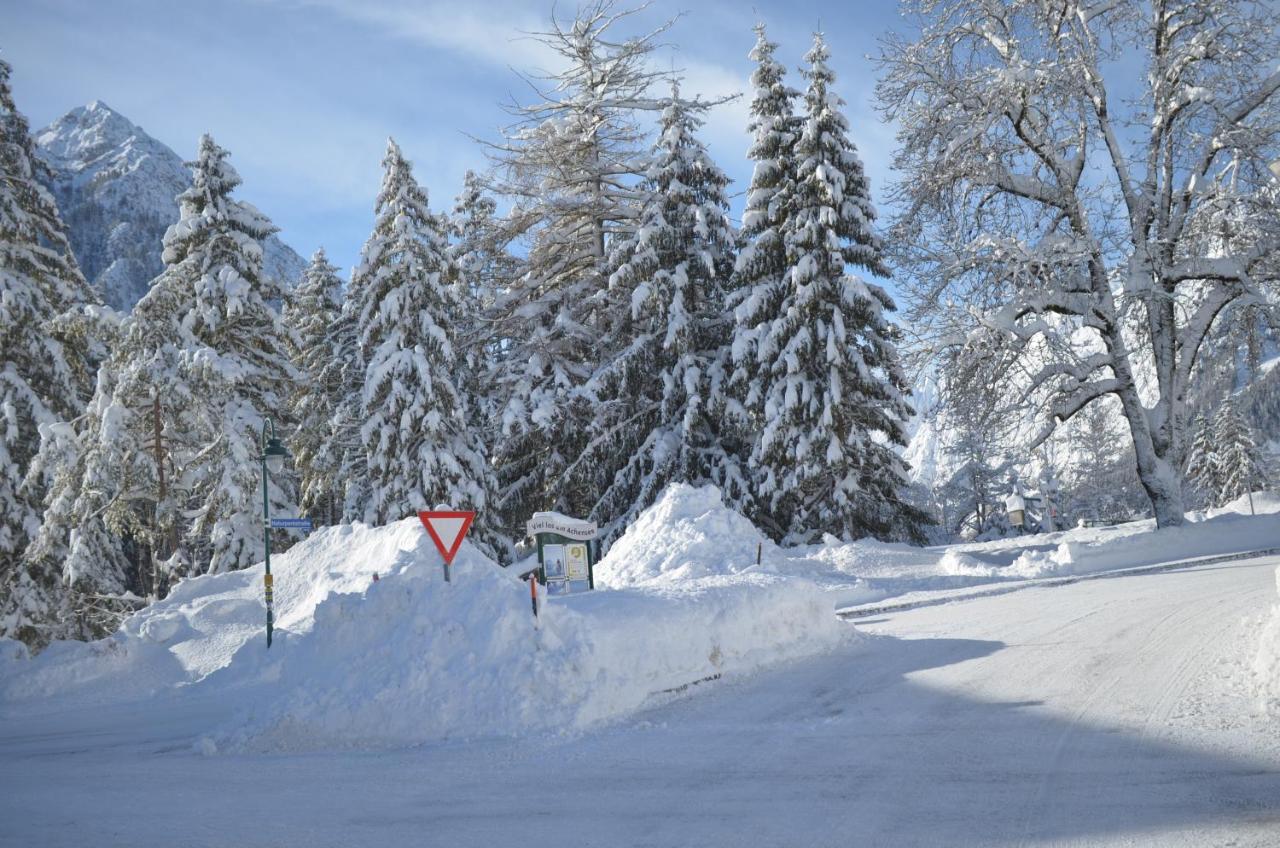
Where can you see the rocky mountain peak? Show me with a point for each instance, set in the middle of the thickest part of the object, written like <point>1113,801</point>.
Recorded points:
<point>116,188</point>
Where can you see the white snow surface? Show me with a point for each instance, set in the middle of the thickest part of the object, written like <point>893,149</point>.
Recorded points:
<point>412,659</point>
<point>1100,713</point>
<point>689,533</point>
<point>1266,665</point>
<point>203,623</point>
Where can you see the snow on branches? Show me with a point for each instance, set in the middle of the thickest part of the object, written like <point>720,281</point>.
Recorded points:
<point>420,446</point>
<point>1032,207</point>
<point>817,366</point>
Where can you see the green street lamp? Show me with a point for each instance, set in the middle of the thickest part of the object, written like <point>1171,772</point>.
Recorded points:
<point>273,456</point>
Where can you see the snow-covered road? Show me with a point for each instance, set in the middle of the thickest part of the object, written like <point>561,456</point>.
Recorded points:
<point>1111,712</point>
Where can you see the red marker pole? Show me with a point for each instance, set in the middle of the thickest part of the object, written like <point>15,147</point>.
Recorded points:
<point>533,592</point>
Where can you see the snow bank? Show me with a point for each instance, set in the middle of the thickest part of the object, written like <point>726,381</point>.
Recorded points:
<point>1224,533</point>
<point>410,659</point>
<point>687,533</point>
<point>201,625</point>
<point>415,660</point>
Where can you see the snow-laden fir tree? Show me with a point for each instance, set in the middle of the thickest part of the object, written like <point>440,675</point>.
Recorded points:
<point>758,287</point>
<point>487,268</point>
<point>311,317</point>
<point>45,370</point>
<point>828,387</point>
<point>421,449</point>
<point>235,358</point>
<point>479,246</point>
<point>569,164</point>
<point>112,524</point>
<point>1240,464</point>
<point>1101,484</point>
<point>342,450</point>
<point>1029,207</point>
<point>167,482</point>
<point>979,441</point>
<point>1202,465</point>
<point>660,407</point>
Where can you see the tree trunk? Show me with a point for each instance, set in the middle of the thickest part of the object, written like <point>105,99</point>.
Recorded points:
<point>1159,460</point>
<point>1162,480</point>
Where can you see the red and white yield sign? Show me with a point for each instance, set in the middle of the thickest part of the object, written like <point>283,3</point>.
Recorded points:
<point>447,530</point>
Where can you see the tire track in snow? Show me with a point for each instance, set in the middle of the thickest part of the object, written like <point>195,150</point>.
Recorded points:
<point>881,608</point>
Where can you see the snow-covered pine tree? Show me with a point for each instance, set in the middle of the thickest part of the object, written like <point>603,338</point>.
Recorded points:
<point>569,164</point>
<point>111,526</point>
<point>420,447</point>
<point>343,448</point>
<point>166,481</point>
<point>45,372</point>
<point>979,441</point>
<point>829,388</point>
<point>1240,464</point>
<point>311,315</point>
<point>758,288</point>
<point>479,251</point>
<point>1202,464</point>
<point>235,359</point>
<point>1102,484</point>
<point>660,408</point>
<point>479,247</point>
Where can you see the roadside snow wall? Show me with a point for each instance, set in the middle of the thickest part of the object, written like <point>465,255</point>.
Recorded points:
<point>410,659</point>
<point>415,659</point>
<point>204,621</point>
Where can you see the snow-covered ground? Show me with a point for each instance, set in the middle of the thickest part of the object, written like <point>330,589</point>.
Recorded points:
<point>411,659</point>
<point>695,698</point>
<point>1267,663</point>
<point>689,533</point>
<point>1103,713</point>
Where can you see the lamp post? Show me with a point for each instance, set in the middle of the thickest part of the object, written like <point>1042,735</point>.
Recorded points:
<point>272,459</point>
<point>1049,486</point>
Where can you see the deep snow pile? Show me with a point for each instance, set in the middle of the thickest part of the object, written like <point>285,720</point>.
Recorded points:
<point>689,533</point>
<point>414,659</point>
<point>201,625</point>
<point>411,659</point>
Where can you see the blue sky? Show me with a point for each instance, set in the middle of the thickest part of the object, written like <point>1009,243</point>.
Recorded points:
<point>305,92</point>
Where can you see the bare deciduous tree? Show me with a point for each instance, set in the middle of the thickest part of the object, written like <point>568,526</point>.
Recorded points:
<point>1089,179</point>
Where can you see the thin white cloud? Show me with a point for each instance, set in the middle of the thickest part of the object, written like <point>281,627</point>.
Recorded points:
<point>491,32</point>
<point>726,126</point>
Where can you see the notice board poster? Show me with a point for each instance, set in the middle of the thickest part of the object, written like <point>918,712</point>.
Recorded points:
<point>553,561</point>
<point>575,558</point>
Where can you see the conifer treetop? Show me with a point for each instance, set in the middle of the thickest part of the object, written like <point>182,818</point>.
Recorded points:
<point>206,211</point>
<point>829,169</point>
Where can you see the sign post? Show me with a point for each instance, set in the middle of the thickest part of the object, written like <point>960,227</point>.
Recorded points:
<point>447,529</point>
<point>566,551</point>
<point>274,453</point>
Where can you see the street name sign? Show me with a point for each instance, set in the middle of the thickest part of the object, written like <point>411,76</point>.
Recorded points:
<point>291,523</point>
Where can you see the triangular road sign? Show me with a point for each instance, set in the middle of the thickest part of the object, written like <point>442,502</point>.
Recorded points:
<point>447,530</point>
